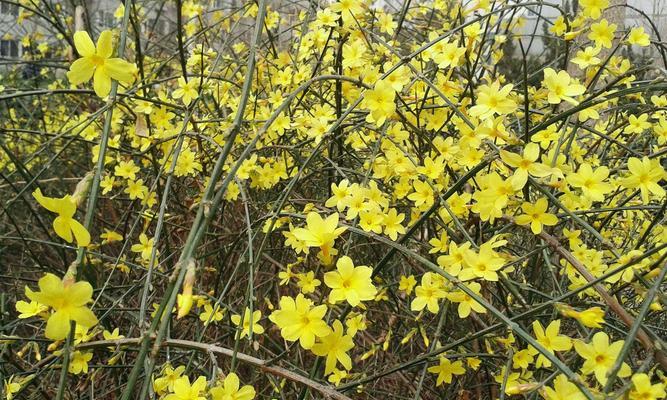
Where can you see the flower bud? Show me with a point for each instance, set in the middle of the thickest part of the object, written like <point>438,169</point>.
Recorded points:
<point>521,388</point>
<point>185,299</point>
<point>83,188</point>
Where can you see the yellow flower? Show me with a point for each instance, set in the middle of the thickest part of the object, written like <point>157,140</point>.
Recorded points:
<point>185,299</point>
<point>467,303</point>
<point>645,174</point>
<point>587,57</point>
<point>560,87</point>
<point>642,389</point>
<point>110,236</point>
<point>68,302</point>
<point>602,33</point>
<point>126,169</point>
<point>559,26</point>
<point>257,329</point>
<point>350,283</point>
<point>637,124</point>
<point>591,181</point>
<point>380,102</point>
<point>339,194</point>
<point>320,232</point>
<point>79,362</point>
<point>64,224</point>
<point>428,294</point>
<point>600,356</point>
<point>136,189</point>
<point>447,54</point>
<point>453,261</point>
<point>334,347</point>
<point>355,324</point>
<point>446,370</point>
<point>337,376</point>
<point>493,100</point>
<point>525,165</point>
<point>186,90</point>
<point>593,8</point>
<point>592,317</point>
<point>536,215</point>
<point>231,389</point>
<point>11,388</point>
<point>299,320</point>
<point>31,309</point>
<point>484,264</point>
<point>563,390</point>
<point>407,283</point>
<point>522,359</point>
<point>307,282</point>
<point>183,390</point>
<point>423,194</point>
<point>439,245</point>
<point>371,220</point>
<point>386,23</point>
<point>350,10</point>
<point>639,37</point>
<point>96,61</point>
<point>107,184</point>
<point>210,314</point>
<point>82,334</point>
<point>145,247</point>
<point>168,379</point>
<point>392,223</point>
<point>113,335</point>
<point>551,340</point>
<point>120,10</point>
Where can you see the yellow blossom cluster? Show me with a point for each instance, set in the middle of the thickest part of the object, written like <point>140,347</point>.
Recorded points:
<point>336,200</point>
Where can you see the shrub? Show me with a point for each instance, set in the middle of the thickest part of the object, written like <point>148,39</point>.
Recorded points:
<point>341,201</point>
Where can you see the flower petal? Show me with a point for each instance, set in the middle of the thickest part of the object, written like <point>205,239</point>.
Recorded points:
<point>83,316</point>
<point>120,70</point>
<point>79,293</point>
<point>84,45</point>
<point>101,82</point>
<point>50,283</point>
<point>49,203</point>
<point>232,382</point>
<point>80,71</point>
<point>57,326</point>
<point>63,229</point>
<point>104,46</point>
<point>80,233</point>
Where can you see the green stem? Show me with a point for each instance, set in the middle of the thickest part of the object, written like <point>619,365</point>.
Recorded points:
<point>634,330</point>
<point>199,224</point>
<point>92,199</point>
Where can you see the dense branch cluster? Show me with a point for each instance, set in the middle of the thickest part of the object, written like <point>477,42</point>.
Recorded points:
<point>349,200</point>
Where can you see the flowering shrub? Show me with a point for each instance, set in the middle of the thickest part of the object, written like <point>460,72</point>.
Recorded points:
<point>338,201</point>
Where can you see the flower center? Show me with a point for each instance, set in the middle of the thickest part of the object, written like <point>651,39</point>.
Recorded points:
<point>97,60</point>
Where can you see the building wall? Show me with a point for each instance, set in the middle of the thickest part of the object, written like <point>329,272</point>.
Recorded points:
<point>625,17</point>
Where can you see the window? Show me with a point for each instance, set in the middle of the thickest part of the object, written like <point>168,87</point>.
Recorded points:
<point>105,19</point>
<point>224,4</point>
<point>9,48</point>
<point>157,26</point>
<point>532,12</point>
<point>9,9</point>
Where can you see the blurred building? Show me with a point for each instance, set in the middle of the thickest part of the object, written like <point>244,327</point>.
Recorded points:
<point>624,13</point>
<point>160,20</point>
<point>17,34</point>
